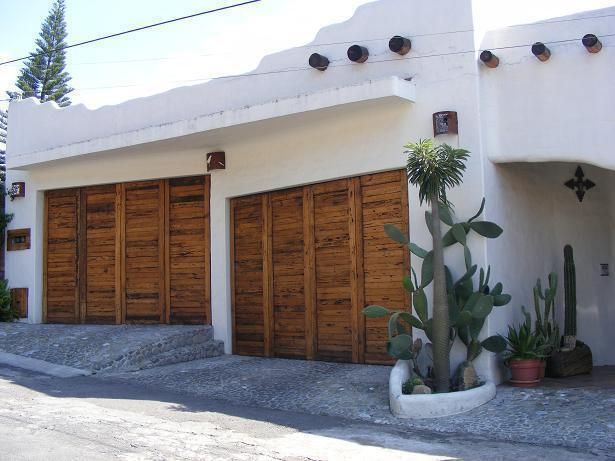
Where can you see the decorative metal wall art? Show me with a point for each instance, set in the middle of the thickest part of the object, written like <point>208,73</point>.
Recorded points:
<point>579,183</point>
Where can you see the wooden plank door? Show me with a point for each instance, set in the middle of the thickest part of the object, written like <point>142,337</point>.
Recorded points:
<point>287,247</point>
<point>99,257</point>
<point>334,338</point>
<point>188,251</point>
<point>307,260</point>
<point>384,200</point>
<point>61,275</point>
<point>247,275</point>
<point>144,236</point>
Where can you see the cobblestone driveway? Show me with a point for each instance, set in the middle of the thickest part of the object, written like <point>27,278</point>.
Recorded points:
<point>577,418</point>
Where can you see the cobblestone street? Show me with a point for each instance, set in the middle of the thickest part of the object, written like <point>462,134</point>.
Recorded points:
<point>582,418</point>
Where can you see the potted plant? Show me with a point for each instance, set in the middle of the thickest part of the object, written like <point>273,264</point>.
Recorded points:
<point>524,354</point>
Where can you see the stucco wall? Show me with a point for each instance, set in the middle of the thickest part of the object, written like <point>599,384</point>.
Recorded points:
<point>559,110</point>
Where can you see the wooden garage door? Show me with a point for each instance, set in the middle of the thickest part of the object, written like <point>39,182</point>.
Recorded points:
<point>307,260</point>
<point>133,252</point>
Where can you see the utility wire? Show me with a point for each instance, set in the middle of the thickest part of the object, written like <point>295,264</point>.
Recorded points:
<point>298,69</point>
<point>333,65</point>
<point>311,45</point>
<point>130,31</point>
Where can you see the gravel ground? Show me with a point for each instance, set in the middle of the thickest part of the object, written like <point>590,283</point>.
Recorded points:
<point>570,417</point>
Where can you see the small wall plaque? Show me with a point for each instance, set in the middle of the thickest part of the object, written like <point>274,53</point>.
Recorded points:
<point>445,122</point>
<point>216,161</point>
<point>17,189</point>
<point>604,270</point>
<point>19,301</point>
<point>18,239</point>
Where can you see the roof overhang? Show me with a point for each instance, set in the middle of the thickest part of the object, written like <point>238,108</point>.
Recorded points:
<point>390,88</point>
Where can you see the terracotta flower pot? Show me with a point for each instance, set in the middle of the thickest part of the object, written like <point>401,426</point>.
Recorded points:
<point>525,372</point>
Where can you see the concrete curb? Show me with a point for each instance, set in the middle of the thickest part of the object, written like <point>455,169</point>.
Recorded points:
<point>40,366</point>
<point>432,405</point>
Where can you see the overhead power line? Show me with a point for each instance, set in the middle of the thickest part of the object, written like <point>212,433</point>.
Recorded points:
<point>137,29</point>
<point>333,65</point>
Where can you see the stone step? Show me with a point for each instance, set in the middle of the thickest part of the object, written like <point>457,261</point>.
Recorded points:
<point>151,358</point>
<point>95,348</point>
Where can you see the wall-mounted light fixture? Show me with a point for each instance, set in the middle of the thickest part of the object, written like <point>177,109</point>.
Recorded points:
<point>489,59</point>
<point>591,43</point>
<point>319,62</point>
<point>400,45</point>
<point>445,122</point>
<point>216,161</point>
<point>358,54</point>
<point>541,51</point>
<point>17,189</point>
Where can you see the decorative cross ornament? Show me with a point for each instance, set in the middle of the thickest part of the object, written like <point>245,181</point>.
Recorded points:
<point>579,184</point>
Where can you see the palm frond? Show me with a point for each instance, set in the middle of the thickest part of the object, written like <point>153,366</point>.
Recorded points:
<point>434,169</point>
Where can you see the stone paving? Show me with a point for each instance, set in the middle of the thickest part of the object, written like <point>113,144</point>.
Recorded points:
<point>571,417</point>
<point>103,348</point>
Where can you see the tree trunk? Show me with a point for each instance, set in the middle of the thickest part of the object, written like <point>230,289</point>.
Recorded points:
<point>441,322</point>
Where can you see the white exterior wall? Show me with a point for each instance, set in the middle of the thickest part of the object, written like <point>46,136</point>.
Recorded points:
<point>162,136</point>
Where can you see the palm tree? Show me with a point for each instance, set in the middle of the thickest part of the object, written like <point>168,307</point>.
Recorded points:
<point>434,169</point>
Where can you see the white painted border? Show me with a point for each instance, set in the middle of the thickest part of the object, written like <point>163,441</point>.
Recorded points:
<point>432,405</point>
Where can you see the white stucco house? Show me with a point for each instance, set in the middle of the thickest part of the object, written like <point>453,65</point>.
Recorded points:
<point>281,248</point>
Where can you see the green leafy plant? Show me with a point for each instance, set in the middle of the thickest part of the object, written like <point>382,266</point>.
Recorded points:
<point>468,304</point>
<point>546,327</point>
<point>434,169</point>
<point>7,313</point>
<point>408,386</point>
<point>522,343</point>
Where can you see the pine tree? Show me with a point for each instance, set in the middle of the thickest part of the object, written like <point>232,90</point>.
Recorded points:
<point>43,75</point>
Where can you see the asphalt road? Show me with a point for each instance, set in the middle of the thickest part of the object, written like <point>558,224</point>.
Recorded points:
<point>90,418</point>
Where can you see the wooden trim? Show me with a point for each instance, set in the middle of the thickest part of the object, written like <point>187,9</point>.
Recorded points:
<point>82,252</point>
<point>357,293</point>
<point>207,249</point>
<point>77,316</point>
<point>119,219</point>
<point>232,272</point>
<point>405,212</point>
<point>268,314</point>
<point>309,272</point>
<point>166,288</point>
<point>123,252</point>
<point>45,249</point>
<point>163,230</point>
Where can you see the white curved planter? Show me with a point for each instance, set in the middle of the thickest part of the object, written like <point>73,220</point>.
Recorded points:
<point>432,405</point>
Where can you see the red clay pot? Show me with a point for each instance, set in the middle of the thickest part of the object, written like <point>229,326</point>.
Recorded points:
<point>525,372</point>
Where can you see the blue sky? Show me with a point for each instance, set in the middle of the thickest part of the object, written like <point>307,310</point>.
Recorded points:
<point>192,51</point>
<point>147,62</point>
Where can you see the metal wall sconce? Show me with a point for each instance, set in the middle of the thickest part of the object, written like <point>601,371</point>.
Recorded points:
<point>319,62</point>
<point>592,43</point>
<point>358,54</point>
<point>489,59</point>
<point>17,189</point>
<point>445,122</point>
<point>216,161</point>
<point>541,51</point>
<point>400,45</point>
<point>579,184</point>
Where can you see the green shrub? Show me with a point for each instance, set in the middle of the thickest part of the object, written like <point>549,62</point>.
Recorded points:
<point>7,313</point>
